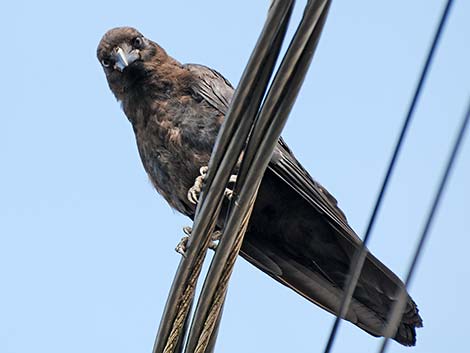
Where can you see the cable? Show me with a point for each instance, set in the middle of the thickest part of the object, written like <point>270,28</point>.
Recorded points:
<point>230,141</point>
<point>395,315</point>
<point>360,256</point>
<point>257,154</point>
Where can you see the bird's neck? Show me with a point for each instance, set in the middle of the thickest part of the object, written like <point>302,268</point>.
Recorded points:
<point>147,97</point>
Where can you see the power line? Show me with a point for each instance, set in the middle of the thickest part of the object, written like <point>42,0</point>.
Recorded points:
<point>395,315</point>
<point>257,154</point>
<point>234,131</point>
<point>360,256</point>
<point>263,126</point>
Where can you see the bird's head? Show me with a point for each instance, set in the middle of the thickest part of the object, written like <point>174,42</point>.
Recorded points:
<point>127,57</point>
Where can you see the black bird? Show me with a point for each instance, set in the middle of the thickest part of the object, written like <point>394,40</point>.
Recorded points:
<point>297,234</point>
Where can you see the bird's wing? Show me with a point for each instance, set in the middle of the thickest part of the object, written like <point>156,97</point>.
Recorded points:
<point>320,283</point>
<point>317,269</point>
<point>218,92</point>
<point>212,86</point>
<point>285,166</point>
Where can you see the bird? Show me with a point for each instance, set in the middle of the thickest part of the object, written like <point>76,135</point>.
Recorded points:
<point>297,234</point>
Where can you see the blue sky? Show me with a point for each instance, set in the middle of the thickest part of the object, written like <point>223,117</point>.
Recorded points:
<point>86,244</point>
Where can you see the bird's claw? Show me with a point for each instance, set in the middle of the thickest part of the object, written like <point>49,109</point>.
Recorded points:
<point>182,245</point>
<point>228,193</point>
<point>187,230</point>
<point>195,190</point>
<point>215,240</point>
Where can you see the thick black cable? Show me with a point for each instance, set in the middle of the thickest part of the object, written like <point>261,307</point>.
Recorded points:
<point>360,256</point>
<point>396,313</point>
<point>263,139</point>
<point>234,131</point>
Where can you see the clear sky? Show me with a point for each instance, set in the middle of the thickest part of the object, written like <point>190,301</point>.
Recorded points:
<point>87,246</point>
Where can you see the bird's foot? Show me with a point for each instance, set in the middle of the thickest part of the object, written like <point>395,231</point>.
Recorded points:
<point>181,246</point>
<point>195,190</point>
<point>228,193</point>
<point>215,240</point>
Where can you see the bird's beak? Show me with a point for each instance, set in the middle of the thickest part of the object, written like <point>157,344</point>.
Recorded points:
<point>124,56</point>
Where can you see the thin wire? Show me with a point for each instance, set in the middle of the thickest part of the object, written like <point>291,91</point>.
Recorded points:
<point>360,256</point>
<point>395,315</point>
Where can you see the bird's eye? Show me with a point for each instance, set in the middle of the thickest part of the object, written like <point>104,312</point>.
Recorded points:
<point>105,62</point>
<point>137,42</point>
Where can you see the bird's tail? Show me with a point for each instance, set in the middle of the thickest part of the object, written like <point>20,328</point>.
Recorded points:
<point>297,244</point>
<point>371,302</point>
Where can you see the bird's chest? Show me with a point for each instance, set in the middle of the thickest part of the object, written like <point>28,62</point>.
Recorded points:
<point>171,154</point>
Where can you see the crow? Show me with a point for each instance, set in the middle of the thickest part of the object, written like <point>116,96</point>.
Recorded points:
<point>297,234</point>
